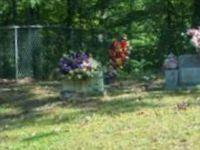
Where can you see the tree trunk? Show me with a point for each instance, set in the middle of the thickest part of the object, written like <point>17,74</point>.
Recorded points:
<point>196,15</point>
<point>69,22</point>
<point>14,11</point>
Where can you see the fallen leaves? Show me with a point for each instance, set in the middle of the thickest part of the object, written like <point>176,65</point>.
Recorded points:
<point>144,113</point>
<point>182,105</point>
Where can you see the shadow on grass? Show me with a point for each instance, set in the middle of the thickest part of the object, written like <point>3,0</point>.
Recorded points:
<point>39,136</point>
<point>116,106</point>
<point>19,103</point>
<point>33,110</point>
<point>28,111</point>
<point>29,116</point>
<point>125,106</point>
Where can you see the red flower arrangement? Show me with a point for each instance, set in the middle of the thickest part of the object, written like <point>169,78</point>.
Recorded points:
<point>118,52</point>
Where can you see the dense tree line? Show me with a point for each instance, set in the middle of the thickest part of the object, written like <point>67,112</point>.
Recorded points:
<point>154,27</point>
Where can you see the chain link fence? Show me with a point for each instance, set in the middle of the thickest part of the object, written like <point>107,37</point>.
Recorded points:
<point>33,51</point>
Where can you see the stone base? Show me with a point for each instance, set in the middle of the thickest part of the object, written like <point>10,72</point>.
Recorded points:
<point>91,86</point>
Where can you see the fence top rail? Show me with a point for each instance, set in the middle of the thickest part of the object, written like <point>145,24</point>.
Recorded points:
<point>32,26</point>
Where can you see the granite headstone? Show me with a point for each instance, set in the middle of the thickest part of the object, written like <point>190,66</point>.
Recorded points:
<point>171,78</point>
<point>189,69</point>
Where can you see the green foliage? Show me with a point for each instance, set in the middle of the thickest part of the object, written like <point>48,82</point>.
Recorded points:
<point>153,27</point>
<point>135,66</point>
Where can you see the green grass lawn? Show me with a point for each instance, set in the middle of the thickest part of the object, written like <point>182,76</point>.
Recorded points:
<point>127,118</point>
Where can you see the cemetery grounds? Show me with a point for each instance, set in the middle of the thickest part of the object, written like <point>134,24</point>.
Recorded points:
<point>131,115</point>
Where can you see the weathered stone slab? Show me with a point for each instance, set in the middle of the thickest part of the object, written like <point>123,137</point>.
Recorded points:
<point>171,78</point>
<point>89,86</point>
<point>189,76</point>
<point>189,61</point>
<point>189,69</point>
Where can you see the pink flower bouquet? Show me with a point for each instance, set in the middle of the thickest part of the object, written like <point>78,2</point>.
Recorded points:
<point>195,37</point>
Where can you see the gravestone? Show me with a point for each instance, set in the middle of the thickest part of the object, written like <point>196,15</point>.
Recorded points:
<point>189,69</point>
<point>171,78</point>
<point>171,71</point>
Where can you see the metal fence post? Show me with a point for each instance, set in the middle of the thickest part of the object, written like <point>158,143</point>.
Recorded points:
<point>16,53</point>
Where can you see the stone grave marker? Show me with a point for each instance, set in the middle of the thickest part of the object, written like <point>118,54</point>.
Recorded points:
<point>189,69</point>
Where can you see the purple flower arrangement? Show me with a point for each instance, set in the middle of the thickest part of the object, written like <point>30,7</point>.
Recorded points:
<point>78,65</point>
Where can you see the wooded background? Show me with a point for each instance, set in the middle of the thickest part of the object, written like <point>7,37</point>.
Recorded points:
<point>154,27</point>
